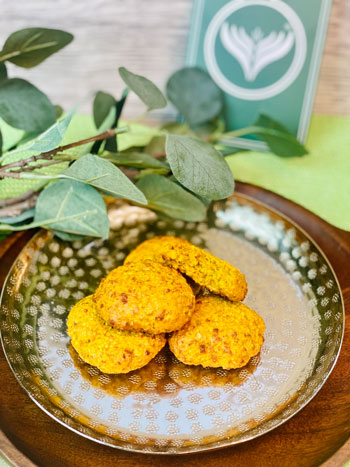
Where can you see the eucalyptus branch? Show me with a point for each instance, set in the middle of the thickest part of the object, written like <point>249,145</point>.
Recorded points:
<point>218,136</point>
<point>105,135</point>
<point>24,173</point>
<point>31,168</point>
<point>131,174</point>
<point>16,199</point>
<point>28,174</point>
<point>24,162</point>
<point>10,175</point>
<point>49,154</point>
<point>16,209</point>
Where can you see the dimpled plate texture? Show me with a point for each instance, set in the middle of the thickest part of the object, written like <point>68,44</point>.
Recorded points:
<point>168,407</point>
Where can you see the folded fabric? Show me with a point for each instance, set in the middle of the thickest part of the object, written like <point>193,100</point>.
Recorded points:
<point>319,181</point>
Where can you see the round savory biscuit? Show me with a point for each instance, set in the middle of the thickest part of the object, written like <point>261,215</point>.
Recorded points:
<point>217,275</point>
<point>110,350</point>
<point>220,334</point>
<point>146,297</point>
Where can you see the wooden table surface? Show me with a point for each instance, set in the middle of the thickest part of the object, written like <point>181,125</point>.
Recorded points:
<point>308,439</point>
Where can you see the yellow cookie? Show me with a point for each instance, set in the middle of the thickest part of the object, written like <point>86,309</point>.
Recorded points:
<point>220,334</point>
<point>217,275</point>
<point>145,297</point>
<point>110,350</point>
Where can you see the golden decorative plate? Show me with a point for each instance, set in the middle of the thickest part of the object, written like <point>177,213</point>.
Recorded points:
<point>168,407</point>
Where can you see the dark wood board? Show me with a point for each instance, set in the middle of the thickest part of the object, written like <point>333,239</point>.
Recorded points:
<point>308,439</point>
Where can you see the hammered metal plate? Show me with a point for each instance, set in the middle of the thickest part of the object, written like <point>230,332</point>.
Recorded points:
<point>168,407</point>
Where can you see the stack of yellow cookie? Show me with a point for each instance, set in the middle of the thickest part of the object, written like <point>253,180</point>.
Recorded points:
<point>122,326</point>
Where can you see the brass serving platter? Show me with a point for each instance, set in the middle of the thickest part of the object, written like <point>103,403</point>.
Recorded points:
<point>167,407</point>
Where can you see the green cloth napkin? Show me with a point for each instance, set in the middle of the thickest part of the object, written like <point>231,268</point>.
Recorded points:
<point>319,181</point>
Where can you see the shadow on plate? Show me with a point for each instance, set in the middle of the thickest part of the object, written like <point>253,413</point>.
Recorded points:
<point>164,375</point>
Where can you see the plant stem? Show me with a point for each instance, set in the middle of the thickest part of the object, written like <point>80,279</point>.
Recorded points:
<point>23,162</point>
<point>38,166</point>
<point>105,135</point>
<point>235,133</point>
<point>16,199</point>
<point>29,175</point>
<point>49,154</point>
<point>16,209</point>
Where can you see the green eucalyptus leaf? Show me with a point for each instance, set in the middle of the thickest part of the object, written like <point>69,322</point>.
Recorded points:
<point>3,72</point>
<point>6,229</point>
<point>205,201</point>
<point>106,125</point>
<point>148,92</point>
<point>117,107</point>
<point>68,237</point>
<point>52,137</point>
<point>199,167</point>
<point>139,160</point>
<point>22,143</point>
<point>103,103</point>
<point>105,176</point>
<point>23,106</point>
<point>227,151</point>
<point>178,128</point>
<point>195,95</point>
<point>1,143</point>
<point>144,172</point>
<point>31,46</point>
<point>72,207</point>
<point>156,146</point>
<point>59,111</point>
<point>120,105</point>
<point>11,136</point>
<point>169,198</point>
<point>111,144</point>
<point>279,140</point>
<point>209,129</point>
<point>108,121</point>
<point>24,216</point>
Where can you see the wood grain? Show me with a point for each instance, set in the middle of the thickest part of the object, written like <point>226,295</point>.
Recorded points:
<point>308,439</point>
<point>149,37</point>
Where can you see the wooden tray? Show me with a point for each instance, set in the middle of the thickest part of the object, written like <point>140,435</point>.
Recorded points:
<point>309,438</point>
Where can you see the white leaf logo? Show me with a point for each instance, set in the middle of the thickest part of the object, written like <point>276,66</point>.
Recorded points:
<point>254,52</point>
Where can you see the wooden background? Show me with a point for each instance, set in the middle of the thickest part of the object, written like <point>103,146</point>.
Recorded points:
<point>149,37</point>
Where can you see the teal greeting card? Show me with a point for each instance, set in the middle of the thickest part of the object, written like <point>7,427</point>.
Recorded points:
<point>264,54</point>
